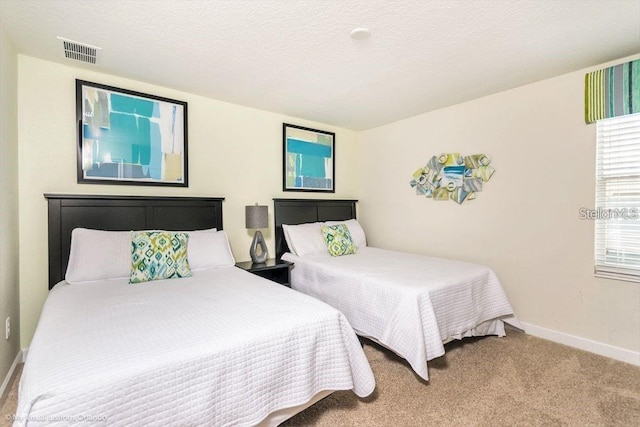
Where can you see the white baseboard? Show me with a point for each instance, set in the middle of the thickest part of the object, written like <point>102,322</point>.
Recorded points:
<point>5,383</point>
<point>617,353</point>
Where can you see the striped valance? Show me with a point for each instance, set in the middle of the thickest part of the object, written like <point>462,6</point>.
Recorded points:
<point>613,91</point>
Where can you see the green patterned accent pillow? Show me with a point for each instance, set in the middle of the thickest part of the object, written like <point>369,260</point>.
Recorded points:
<point>338,240</point>
<point>157,255</point>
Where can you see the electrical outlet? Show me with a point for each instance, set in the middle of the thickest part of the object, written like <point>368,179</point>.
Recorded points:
<point>7,328</point>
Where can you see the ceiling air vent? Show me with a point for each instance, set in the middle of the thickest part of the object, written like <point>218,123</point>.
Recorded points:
<point>79,51</point>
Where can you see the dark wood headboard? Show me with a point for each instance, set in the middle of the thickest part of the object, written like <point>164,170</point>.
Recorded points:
<point>122,213</point>
<point>300,211</point>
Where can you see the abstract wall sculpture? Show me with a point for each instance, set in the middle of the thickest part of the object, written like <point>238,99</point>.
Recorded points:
<point>451,176</point>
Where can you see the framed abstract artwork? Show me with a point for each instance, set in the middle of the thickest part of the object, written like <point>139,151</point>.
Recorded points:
<point>127,137</point>
<point>309,159</point>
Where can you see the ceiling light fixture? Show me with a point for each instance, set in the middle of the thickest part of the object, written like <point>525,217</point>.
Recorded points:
<point>360,33</point>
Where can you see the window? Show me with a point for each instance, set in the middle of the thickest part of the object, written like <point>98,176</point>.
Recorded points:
<point>617,213</point>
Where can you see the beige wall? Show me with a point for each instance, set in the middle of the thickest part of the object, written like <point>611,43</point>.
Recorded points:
<point>9,292</point>
<point>525,223</point>
<point>234,152</point>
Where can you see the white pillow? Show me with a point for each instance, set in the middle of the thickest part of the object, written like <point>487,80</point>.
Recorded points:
<point>198,248</point>
<point>98,255</point>
<point>209,249</point>
<point>102,255</point>
<point>304,239</point>
<point>357,233</point>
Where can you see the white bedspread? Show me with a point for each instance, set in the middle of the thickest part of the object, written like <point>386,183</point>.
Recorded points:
<point>223,347</point>
<point>410,303</point>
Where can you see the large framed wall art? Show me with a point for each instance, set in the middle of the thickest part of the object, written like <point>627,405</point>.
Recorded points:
<point>309,159</point>
<point>127,137</point>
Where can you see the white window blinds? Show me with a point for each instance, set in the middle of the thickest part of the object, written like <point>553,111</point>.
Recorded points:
<point>617,214</point>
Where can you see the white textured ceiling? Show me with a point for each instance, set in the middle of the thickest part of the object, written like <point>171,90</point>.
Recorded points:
<point>296,56</point>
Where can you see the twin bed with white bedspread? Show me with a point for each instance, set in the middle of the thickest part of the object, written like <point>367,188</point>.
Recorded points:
<point>221,347</point>
<point>411,304</point>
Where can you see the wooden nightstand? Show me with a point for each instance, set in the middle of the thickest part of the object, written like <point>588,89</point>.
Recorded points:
<point>276,271</point>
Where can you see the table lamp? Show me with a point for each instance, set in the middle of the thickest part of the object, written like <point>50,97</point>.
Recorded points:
<point>256,217</point>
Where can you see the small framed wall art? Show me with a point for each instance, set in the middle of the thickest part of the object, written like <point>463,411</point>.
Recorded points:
<point>308,159</point>
<point>127,137</point>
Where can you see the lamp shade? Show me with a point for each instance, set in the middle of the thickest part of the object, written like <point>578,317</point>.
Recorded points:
<point>256,216</point>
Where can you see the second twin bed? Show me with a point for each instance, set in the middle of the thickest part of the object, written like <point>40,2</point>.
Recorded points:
<point>409,303</point>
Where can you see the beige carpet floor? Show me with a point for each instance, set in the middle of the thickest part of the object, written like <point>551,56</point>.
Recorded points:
<point>518,380</point>
<point>9,400</point>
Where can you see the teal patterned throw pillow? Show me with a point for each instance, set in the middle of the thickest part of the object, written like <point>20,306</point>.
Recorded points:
<point>158,255</point>
<point>338,240</point>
